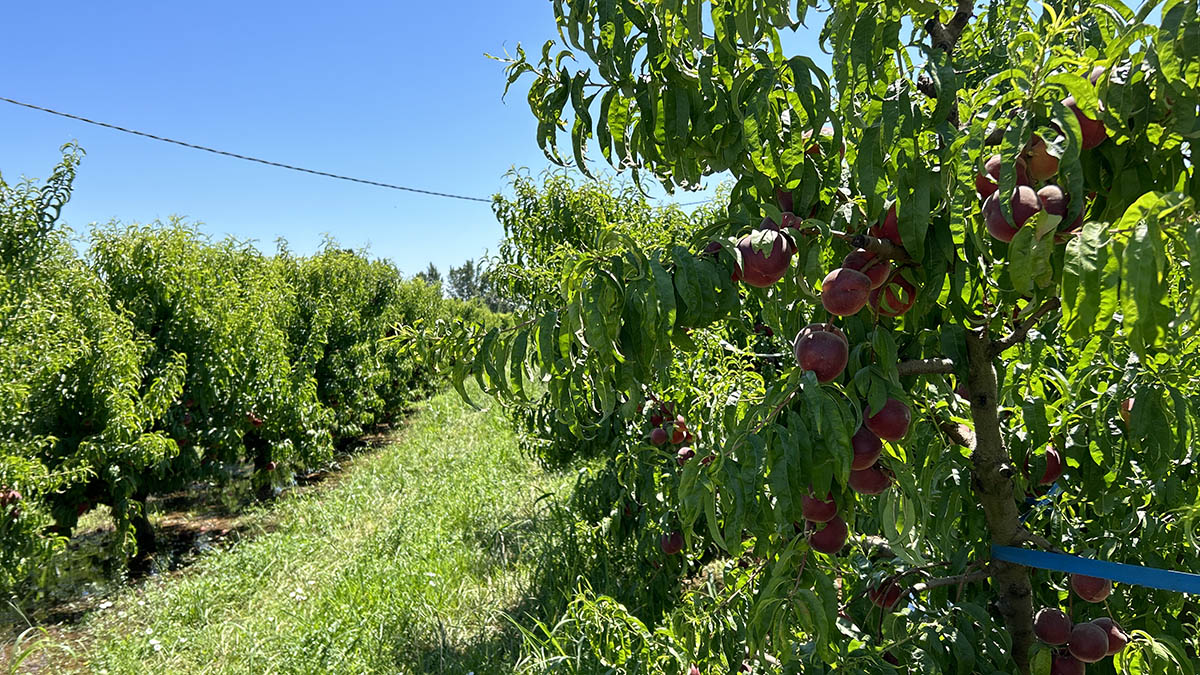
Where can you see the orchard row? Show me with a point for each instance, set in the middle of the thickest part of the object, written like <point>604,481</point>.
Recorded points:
<point>160,359</point>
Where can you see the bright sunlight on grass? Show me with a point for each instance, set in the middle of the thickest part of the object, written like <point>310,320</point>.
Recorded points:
<point>405,565</point>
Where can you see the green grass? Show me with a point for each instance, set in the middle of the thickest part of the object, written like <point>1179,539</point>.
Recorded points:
<point>408,564</point>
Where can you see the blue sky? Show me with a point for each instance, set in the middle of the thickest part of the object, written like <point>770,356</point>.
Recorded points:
<point>398,92</point>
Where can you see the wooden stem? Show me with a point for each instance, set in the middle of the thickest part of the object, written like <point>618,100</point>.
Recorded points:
<point>994,487</point>
<point>925,367</point>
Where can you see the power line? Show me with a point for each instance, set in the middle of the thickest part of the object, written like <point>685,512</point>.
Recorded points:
<point>257,160</point>
<point>245,157</point>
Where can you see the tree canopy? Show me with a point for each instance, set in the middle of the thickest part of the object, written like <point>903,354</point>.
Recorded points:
<point>949,302</point>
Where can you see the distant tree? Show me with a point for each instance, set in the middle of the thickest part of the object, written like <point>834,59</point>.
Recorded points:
<point>472,280</point>
<point>431,275</point>
<point>466,281</point>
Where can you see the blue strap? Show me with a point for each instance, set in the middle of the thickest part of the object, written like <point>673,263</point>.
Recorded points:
<point>1183,582</point>
<point>1035,503</point>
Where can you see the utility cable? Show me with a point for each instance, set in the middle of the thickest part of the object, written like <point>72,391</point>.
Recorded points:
<point>245,157</point>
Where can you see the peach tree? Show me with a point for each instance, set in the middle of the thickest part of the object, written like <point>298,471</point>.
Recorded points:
<point>976,242</point>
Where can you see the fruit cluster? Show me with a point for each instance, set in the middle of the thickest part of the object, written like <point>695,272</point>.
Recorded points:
<point>829,531</point>
<point>1081,643</point>
<point>1035,165</point>
<point>667,428</point>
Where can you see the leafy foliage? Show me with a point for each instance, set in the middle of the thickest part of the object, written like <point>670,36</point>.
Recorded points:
<point>1047,335</point>
<point>162,358</point>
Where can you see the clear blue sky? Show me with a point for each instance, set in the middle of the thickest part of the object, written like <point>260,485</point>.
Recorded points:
<point>398,92</point>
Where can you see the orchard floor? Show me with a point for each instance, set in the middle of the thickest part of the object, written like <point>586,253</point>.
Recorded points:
<point>412,562</point>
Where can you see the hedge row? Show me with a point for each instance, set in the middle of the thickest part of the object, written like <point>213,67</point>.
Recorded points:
<point>158,358</point>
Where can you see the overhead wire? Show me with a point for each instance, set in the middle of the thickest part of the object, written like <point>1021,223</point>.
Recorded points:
<point>247,158</point>
<point>258,160</point>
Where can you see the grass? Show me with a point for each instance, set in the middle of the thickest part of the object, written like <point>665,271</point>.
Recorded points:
<point>406,564</point>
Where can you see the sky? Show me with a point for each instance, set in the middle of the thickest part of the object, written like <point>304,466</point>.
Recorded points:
<point>396,92</point>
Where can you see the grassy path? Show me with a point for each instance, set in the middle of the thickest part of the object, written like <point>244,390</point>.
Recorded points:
<point>405,565</point>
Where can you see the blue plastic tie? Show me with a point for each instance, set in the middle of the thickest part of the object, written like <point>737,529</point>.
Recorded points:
<point>1035,503</point>
<point>1167,580</point>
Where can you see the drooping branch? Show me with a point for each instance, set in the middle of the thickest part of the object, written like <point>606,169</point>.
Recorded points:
<point>925,367</point>
<point>1022,330</point>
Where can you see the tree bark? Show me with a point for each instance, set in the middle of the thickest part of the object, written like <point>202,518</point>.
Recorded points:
<point>143,536</point>
<point>994,487</point>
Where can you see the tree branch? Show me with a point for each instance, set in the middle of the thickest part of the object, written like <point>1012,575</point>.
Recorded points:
<point>945,37</point>
<point>925,367</point>
<point>1018,334</point>
<point>925,86</point>
<point>958,579</point>
<point>882,248</point>
<point>1024,535</point>
<point>877,545</point>
<point>959,433</point>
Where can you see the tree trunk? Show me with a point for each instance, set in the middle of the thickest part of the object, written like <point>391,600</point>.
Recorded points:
<point>143,536</point>
<point>994,487</point>
<point>260,450</point>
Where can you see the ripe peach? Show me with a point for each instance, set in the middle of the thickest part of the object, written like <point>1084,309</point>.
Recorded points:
<point>658,436</point>
<point>1126,410</point>
<point>845,291</point>
<point>1054,466</point>
<point>867,448</point>
<point>1094,132</point>
<point>784,198</point>
<point>986,185</point>
<point>1053,200</point>
<point>818,510</point>
<point>815,149</point>
<point>791,220</point>
<point>683,455</point>
<point>1052,626</point>
<point>1092,589</point>
<point>876,268</point>
<point>1041,164</point>
<point>889,229</point>
<point>893,299</point>
<point>761,270</point>
<point>831,537</point>
<point>680,431</point>
<point>1117,639</point>
<point>885,596</point>
<point>891,422</point>
<point>870,481</point>
<point>671,543</point>
<point>1024,204</point>
<point>822,351</point>
<point>1088,643</point>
